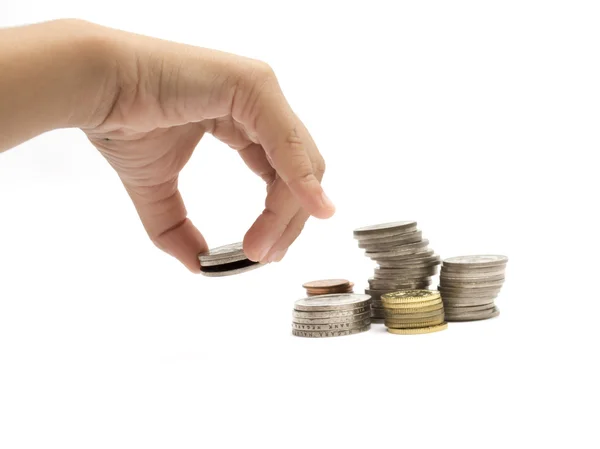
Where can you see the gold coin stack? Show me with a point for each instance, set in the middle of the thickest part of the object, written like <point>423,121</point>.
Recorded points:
<point>410,312</point>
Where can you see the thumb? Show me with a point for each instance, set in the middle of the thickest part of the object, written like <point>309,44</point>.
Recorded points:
<point>164,217</point>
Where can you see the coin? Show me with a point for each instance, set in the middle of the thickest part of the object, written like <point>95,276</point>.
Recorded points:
<point>339,301</point>
<point>468,262</point>
<point>474,316</point>
<point>391,261</point>
<point>329,320</point>
<point>377,320</point>
<point>423,330</point>
<point>332,326</point>
<point>468,285</point>
<point>326,284</point>
<point>226,260</point>
<point>398,251</point>
<point>323,334</point>
<point>409,296</point>
<point>385,229</point>
<point>413,305</point>
<point>395,240</point>
<point>404,310</point>
<point>428,323</point>
<point>388,284</point>
<point>461,291</point>
<point>416,316</point>
<point>332,313</point>
<point>461,309</point>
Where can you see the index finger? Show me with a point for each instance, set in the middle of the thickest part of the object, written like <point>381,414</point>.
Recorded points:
<point>289,147</point>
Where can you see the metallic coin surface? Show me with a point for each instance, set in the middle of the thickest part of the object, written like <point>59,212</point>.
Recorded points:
<point>398,251</point>
<point>421,254</point>
<point>423,330</point>
<point>324,334</point>
<point>472,273</point>
<point>390,242</point>
<point>422,316</point>
<point>399,285</point>
<point>403,311</point>
<point>377,320</point>
<point>332,326</point>
<point>326,284</point>
<point>465,285</point>
<point>339,301</point>
<point>384,229</point>
<point>412,305</point>
<point>476,261</point>
<point>331,320</point>
<point>399,325</point>
<point>333,313</point>
<point>496,277</point>
<point>462,309</point>
<point>469,291</point>
<point>474,316</point>
<point>223,254</point>
<point>409,296</point>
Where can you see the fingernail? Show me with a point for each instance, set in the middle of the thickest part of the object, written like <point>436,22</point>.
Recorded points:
<point>263,254</point>
<point>276,256</point>
<point>327,203</point>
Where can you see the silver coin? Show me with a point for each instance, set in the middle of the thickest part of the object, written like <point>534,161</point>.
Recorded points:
<point>462,271</point>
<point>324,334</point>
<point>413,262</point>
<point>223,254</point>
<point>467,275</point>
<point>377,320</point>
<point>393,273</point>
<point>468,291</point>
<point>340,301</point>
<point>382,240</point>
<point>462,309</point>
<point>331,320</point>
<point>464,284</point>
<point>390,242</point>
<point>426,252</point>
<point>229,271</point>
<point>474,316</point>
<point>380,284</point>
<point>476,261</point>
<point>332,314</point>
<point>397,251</point>
<point>385,229</point>
<point>445,280</point>
<point>448,303</point>
<point>332,326</point>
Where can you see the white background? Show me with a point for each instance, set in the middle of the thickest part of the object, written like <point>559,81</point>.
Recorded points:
<point>477,119</point>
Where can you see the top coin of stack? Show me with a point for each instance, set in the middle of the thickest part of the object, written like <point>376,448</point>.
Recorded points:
<point>225,261</point>
<point>328,287</point>
<point>469,285</point>
<point>413,312</point>
<point>331,315</point>
<point>405,260</point>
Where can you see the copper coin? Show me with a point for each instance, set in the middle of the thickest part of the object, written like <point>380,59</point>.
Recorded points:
<point>326,284</point>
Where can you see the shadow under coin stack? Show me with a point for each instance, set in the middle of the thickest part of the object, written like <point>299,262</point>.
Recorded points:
<point>404,258</point>
<point>331,315</point>
<point>470,284</point>
<point>413,312</point>
<point>328,287</point>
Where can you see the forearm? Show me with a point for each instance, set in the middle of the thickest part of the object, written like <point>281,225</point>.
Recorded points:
<point>53,75</point>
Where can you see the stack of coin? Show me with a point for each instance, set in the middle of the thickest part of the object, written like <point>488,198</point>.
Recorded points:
<point>470,284</point>
<point>226,260</point>
<point>413,312</point>
<point>328,287</point>
<point>332,315</point>
<point>404,258</point>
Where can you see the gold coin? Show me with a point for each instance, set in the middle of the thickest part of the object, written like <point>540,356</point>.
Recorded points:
<point>409,296</point>
<point>422,330</point>
<point>412,305</point>
<point>417,317</point>
<point>403,311</point>
<point>396,325</point>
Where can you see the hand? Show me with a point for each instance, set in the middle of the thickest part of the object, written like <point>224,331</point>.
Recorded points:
<point>164,97</point>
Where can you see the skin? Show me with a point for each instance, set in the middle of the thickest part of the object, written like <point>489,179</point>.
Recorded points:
<point>145,104</point>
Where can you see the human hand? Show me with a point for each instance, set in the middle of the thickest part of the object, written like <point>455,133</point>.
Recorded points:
<point>165,96</point>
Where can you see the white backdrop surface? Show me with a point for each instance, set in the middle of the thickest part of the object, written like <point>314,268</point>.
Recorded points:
<point>477,119</point>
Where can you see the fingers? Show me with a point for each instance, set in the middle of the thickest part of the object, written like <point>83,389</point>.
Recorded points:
<point>291,233</point>
<point>280,207</point>
<point>164,217</point>
<point>263,110</point>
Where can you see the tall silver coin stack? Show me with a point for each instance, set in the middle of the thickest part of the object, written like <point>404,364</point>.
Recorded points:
<point>470,284</point>
<point>405,261</point>
<point>331,315</point>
